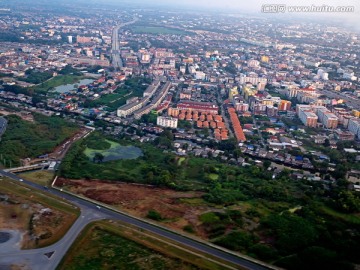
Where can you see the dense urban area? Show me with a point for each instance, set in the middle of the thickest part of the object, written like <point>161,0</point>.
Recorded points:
<point>238,130</point>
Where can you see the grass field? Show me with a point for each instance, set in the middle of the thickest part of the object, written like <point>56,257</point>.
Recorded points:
<point>115,245</point>
<point>142,29</point>
<point>132,88</point>
<point>115,152</point>
<point>43,177</point>
<point>27,194</point>
<point>57,81</point>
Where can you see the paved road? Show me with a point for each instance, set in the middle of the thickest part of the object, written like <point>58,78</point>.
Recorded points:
<point>91,212</point>
<point>354,102</point>
<point>115,53</point>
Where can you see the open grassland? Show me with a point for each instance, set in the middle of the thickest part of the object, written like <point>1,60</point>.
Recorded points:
<point>57,81</point>
<point>115,245</point>
<point>243,209</point>
<point>114,152</point>
<point>22,204</point>
<point>43,177</point>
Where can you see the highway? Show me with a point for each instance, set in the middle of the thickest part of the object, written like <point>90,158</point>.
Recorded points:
<point>91,212</point>
<point>350,101</point>
<point>115,50</point>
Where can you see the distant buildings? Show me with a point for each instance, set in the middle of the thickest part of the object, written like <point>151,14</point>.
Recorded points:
<point>310,115</point>
<point>200,107</point>
<point>251,78</point>
<point>238,131</point>
<point>167,121</point>
<point>284,105</point>
<point>354,127</point>
<point>88,61</point>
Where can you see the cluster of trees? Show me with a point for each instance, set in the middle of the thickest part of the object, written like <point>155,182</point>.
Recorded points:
<point>36,77</point>
<point>69,70</point>
<point>24,139</point>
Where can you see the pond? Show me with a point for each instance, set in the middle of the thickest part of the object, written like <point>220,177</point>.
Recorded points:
<point>69,87</point>
<point>4,237</point>
<point>115,152</point>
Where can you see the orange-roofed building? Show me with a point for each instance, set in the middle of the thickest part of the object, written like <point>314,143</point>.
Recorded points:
<point>199,124</point>
<point>218,118</point>
<point>182,116</point>
<point>220,125</point>
<point>209,117</point>
<point>238,131</point>
<point>206,124</point>
<point>213,124</point>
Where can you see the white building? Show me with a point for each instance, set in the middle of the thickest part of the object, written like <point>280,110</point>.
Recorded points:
<point>354,126</point>
<point>251,78</point>
<point>167,121</point>
<point>199,75</point>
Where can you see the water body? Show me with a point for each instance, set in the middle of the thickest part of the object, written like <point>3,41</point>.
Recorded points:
<point>69,87</point>
<point>4,237</point>
<point>116,152</point>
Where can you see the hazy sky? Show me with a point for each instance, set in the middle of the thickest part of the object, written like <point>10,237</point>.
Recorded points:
<point>254,6</point>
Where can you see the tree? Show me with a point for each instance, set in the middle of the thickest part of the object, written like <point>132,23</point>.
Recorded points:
<point>266,164</point>
<point>98,157</point>
<point>349,201</point>
<point>327,143</point>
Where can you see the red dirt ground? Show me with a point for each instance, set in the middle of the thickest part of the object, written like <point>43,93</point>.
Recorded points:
<point>139,199</point>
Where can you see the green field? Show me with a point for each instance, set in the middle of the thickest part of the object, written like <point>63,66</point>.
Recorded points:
<point>133,87</point>
<point>157,30</point>
<point>115,152</point>
<point>57,81</point>
<point>105,245</point>
<point>42,177</point>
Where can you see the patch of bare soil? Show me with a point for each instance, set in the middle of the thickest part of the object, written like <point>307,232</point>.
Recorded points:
<point>138,199</point>
<point>39,223</point>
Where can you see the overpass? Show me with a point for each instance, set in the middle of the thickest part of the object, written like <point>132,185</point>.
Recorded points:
<point>28,168</point>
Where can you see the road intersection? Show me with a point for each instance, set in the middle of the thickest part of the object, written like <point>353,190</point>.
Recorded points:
<point>90,212</point>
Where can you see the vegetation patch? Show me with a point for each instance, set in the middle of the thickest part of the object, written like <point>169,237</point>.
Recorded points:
<point>115,152</point>
<point>105,245</point>
<point>57,81</point>
<point>43,177</point>
<point>45,218</point>
<point>23,139</point>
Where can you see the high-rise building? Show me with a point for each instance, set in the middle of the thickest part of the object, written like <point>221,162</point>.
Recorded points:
<point>284,105</point>
<point>354,126</point>
<point>308,118</point>
<point>167,121</point>
<point>70,39</point>
<point>232,92</point>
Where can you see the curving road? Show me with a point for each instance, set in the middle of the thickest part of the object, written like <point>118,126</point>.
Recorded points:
<point>37,260</point>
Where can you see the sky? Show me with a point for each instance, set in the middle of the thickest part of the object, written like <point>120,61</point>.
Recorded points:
<point>248,6</point>
<point>255,6</point>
